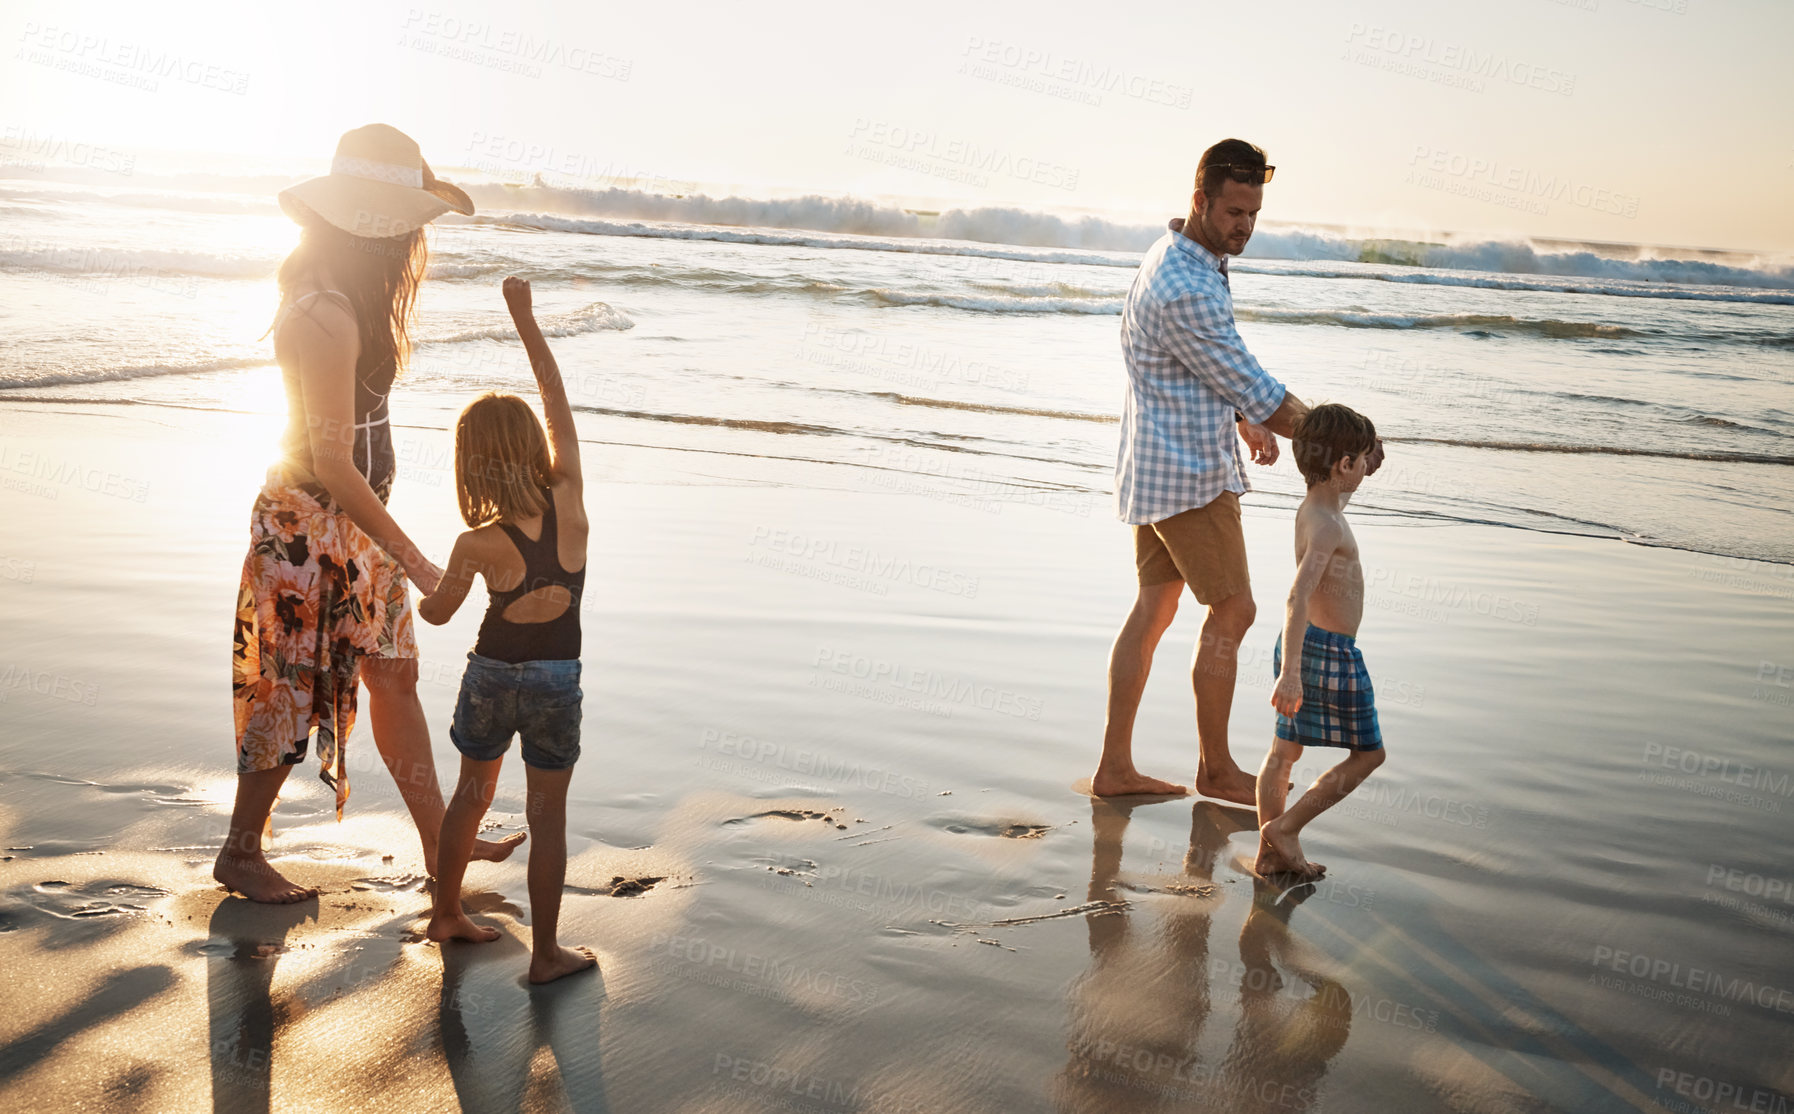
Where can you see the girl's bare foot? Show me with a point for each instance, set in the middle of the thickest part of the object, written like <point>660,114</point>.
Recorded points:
<point>560,963</point>
<point>1130,783</point>
<point>256,879</point>
<point>456,926</point>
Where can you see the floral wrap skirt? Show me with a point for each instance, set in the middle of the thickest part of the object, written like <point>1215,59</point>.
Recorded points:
<point>316,596</point>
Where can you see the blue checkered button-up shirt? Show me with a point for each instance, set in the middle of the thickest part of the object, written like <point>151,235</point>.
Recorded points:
<point>1187,372</point>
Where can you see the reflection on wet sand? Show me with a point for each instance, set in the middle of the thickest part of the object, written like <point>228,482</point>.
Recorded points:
<point>1138,1012</point>
<point>491,1027</point>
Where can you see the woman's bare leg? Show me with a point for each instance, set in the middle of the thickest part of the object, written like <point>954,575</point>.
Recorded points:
<point>402,735</point>
<point>241,866</point>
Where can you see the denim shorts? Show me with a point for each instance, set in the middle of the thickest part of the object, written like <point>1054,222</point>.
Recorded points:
<point>538,700</point>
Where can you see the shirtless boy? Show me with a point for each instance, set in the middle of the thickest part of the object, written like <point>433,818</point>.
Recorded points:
<point>1323,695</point>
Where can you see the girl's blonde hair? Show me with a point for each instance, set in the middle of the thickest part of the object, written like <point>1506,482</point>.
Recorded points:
<point>501,460</point>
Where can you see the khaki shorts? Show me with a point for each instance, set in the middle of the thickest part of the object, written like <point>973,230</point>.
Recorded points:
<point>1205,548</point>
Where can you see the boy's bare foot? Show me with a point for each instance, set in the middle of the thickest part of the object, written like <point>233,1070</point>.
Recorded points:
<point>1236,785</point>
<point>560,963</point>
<point>256,879</point>
<point>1132,782</point>
<point>456,926</point>
<point>496,850</point>
<point>1281,853</point>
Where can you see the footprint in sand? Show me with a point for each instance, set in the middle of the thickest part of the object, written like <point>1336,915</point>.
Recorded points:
<point>789,814</point>
<point>1003,829</point>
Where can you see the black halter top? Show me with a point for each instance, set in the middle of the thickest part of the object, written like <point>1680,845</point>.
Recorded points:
<point>557,639</point>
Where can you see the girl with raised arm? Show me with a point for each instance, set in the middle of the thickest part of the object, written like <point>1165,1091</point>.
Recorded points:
<point>522,497</point>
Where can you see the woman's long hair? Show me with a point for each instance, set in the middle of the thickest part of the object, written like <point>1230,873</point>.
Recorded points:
<point>379,277</point>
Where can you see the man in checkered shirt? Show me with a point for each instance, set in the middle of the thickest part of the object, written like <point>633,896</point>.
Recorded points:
<point>1192,390</point>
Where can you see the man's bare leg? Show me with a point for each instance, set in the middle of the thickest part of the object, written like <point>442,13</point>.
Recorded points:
<point>1130,662</point>
<point>402,735</point>
<point>241,866</point>
<point>1212,678</point>
<point>1281,831</point>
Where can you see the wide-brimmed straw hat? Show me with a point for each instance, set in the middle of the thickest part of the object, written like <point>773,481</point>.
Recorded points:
<point>379,186</point>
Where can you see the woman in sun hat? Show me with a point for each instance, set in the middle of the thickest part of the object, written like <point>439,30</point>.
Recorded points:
<point>323,601</point>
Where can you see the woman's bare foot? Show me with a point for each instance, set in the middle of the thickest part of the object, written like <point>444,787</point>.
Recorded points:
<point>484,851</point>
<point>1279,852</point>
<point>256,879</point>
<point>1235,785</point>
<point>496,850</point>
<point>1130,783</point>
<point>560,963</point>
<point>456,926</point>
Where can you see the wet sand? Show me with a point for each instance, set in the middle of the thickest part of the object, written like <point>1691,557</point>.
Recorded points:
<point>842,719</point>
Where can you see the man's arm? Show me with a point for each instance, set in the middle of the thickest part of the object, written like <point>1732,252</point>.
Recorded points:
<point>563,437</point>
<point>1283,420</point>
<point>440,606</point>
<point>1199,331</point>
<point>1322,544</point>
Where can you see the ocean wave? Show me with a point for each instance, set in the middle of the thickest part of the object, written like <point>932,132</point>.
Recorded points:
<point>991,303</point>
<point>15,380</point>
<point>1472,322</point>
<point>1616,288</point>
<point>588,319</point>
<point>116,262</point>
<point>1601,450</point>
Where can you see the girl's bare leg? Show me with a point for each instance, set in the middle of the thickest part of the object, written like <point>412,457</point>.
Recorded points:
<point>547,811</point>
<point>473,796</point>
<point>402,735</point>
<point>241,866</point>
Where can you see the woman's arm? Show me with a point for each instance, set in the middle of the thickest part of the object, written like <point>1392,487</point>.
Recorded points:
<point>563,438</point>
<point>324,346</point>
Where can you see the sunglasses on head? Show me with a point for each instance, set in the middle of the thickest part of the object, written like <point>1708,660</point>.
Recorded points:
<point>1244,174</point>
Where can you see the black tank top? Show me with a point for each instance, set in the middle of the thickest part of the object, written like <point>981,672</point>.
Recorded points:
<point>554,640</point>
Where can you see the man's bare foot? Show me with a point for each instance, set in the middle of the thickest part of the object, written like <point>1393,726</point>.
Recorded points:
<point>1235,785</point>
<point>456,926</point>
<point>560,963</point>
<point>256,879</point>
<point>1131,783</point>
<point>1279,852</point>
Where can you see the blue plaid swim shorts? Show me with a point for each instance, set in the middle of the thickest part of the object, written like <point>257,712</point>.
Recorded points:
<point>1338,706</point>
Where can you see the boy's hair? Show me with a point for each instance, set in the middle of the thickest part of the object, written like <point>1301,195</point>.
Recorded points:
<point>1327,434</point>
<point>501,460</point>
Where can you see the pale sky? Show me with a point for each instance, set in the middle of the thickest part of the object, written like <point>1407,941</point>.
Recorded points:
<point>1653,121</point>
